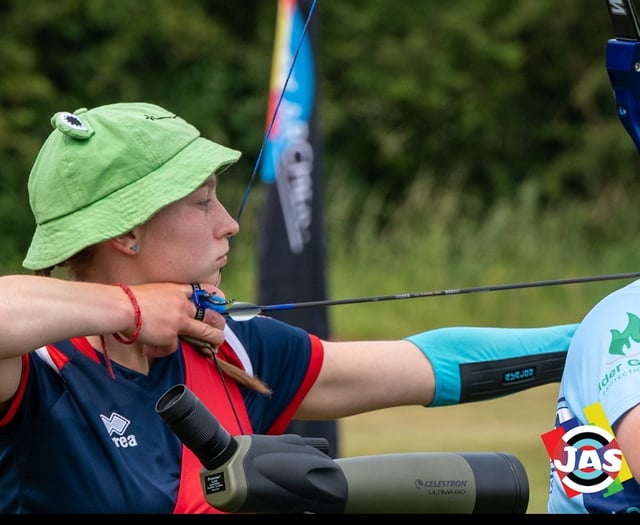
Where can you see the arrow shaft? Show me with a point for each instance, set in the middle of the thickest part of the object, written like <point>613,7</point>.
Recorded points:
<point>433,293</point>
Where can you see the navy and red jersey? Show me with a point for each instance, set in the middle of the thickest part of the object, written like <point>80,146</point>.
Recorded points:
<point>76,440</point>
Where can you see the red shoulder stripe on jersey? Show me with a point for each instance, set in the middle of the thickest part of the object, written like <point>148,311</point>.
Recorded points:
<point>17,397</point>
<point>57,357</point>
<point>84,346</point>
<point>317,355</point>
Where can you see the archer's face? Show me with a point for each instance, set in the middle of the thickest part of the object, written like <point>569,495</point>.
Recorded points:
<point>188,241</point>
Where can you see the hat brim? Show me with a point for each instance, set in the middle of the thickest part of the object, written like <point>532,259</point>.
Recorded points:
<point>128,207</point>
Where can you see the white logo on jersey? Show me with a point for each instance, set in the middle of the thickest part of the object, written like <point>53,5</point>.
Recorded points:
<point>117,424</point>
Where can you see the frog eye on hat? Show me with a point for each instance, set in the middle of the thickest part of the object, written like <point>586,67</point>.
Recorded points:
<point>71,125</point>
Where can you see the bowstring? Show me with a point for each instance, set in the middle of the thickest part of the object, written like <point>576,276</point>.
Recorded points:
<point>254,172</point>
<point>275,111</point>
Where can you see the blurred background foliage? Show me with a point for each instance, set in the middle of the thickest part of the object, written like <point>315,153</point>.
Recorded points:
<point>464,143</point>
<point>480,96</point>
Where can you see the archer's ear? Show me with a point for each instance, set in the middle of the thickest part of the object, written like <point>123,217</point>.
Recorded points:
<point>126,243</point>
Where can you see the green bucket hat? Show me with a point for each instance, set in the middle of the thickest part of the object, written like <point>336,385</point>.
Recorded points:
<point>103,171</point>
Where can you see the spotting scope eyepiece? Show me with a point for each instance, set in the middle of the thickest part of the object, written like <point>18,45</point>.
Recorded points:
<point>193,423</point>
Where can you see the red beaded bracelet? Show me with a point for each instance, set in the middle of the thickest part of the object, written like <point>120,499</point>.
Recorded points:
<point>138,317</point>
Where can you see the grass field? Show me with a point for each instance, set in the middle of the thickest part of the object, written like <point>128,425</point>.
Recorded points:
<point>512,424</point>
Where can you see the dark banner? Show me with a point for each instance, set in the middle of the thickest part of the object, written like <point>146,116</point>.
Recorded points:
<point>291,246</point>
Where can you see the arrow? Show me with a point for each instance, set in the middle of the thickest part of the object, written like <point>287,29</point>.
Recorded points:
<point>243,311</point>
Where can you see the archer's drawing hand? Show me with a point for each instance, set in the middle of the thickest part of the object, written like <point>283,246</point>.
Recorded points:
<point>169,313</point>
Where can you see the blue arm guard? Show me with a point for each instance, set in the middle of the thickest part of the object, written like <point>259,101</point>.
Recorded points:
<point>478,363</point>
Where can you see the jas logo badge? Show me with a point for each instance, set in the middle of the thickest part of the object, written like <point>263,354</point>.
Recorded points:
<point>587,458</point>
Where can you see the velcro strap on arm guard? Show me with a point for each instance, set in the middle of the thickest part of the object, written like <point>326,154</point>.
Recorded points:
<point>478,363</point>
